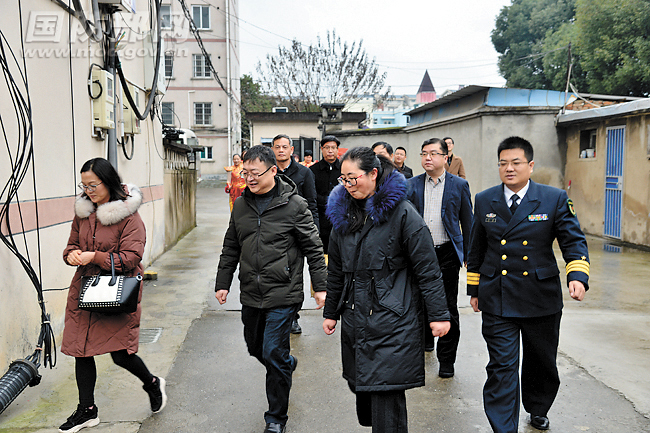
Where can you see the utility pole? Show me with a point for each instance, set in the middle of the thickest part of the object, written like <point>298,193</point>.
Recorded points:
<point>112,133</point>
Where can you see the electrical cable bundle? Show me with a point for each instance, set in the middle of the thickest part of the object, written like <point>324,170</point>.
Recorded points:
<point>118,66</point>
<point>20,157</point>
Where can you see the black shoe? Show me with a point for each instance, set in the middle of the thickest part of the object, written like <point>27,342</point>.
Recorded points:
<point>429,348</point>
<point>539,422</point>
<point>274,427</point>
<point>294,363</point>
<point>157,395</point>
<point>295,327</point>
<point>80,418</point>
<point>446,370</point>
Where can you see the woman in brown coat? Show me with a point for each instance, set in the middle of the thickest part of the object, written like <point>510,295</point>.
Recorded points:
<point>106,221</point>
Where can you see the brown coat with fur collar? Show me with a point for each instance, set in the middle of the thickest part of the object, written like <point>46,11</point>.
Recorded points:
<point>111,227</point>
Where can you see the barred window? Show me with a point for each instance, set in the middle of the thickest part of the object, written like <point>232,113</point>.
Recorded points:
<point>168,113</point>
<point>201,69</point>
<point>202,113</point>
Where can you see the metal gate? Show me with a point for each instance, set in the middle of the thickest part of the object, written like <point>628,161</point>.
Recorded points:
<point>614,181</point>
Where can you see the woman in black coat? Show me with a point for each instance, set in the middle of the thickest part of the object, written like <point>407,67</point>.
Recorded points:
<point>382,266</point>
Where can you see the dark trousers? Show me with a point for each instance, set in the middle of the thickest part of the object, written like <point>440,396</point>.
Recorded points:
<point>385,411</point>
<point>449,266</point>
<point>267,333</point>
<point>86,373</point>
<point>539,376</point>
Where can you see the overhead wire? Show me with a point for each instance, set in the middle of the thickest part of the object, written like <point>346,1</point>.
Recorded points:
<point>20,163</point>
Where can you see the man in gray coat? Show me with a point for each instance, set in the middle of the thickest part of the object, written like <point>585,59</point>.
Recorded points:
<point>271,230</point>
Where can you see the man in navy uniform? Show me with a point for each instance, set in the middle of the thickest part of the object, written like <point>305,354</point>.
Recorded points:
<point>513,278</point>
<point>445,203</point>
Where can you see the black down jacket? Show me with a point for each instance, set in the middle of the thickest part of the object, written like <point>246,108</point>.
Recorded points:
<point>377,280</point>
<point>270,249</point>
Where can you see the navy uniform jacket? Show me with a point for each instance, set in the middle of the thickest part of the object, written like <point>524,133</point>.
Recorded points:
<point>511,265</point>
<point>456,207</point>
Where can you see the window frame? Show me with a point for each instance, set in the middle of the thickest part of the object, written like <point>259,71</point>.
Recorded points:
<point>207,153</point>
<point>203,107</point>
<point>168,56</point>
<point>163,14</point>
<point>204,65</point>
<point>201,25</point>
<point>170,106</point>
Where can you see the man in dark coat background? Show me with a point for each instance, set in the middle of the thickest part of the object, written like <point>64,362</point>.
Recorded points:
<point>399,159</point>
<point>304,180</point>
<point>326,172</point>
<point>513,278</point>
<point>445,203</point>
<point>270,272</point>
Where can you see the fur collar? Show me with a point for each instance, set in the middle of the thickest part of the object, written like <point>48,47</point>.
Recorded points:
<point>112,212</point>
<point>378,206</point>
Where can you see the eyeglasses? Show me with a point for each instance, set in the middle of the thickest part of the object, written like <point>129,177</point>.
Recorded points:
<point>329,148</point>
<point>431,154</point>
<point>515,164</point>
<point>350,182</point>
<point>88,188</point>
<point>246,175</point>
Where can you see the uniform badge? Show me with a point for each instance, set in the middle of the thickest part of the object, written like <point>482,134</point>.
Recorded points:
<point>571,209</point>
<point>491,218</point>
<point>538,217</point>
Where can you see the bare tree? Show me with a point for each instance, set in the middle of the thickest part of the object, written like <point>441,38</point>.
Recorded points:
<point>330,71</point>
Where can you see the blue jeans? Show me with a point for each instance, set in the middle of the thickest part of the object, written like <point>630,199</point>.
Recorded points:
<point>267,333</point>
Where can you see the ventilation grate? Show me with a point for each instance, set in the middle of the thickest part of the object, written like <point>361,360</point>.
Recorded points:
<point>149,335</point>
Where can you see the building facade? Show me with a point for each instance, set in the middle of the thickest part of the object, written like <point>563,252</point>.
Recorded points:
<point>608,169</point>
<point>67,122</point>
<point>195,99</point>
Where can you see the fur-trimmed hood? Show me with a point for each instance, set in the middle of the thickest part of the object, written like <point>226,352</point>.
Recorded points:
<point>378,206</point>
<point>112,212</point>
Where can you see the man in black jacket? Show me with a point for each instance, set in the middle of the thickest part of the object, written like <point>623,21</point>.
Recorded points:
<point>399,159</point>
<point>326,172</point>
<point>270,272</point>
<point>304,180</point>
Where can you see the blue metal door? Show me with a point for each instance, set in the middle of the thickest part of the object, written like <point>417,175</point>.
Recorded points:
<point>614,181</point>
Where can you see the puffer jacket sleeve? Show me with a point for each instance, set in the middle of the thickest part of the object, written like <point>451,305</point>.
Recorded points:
<point>229,258</point>
<point>73,240</point>
<point>335,278</point>
<point>417,242</point>
<point>310,244</point>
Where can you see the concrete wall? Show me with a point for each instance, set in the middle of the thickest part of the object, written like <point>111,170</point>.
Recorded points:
<point>587,177</point>
<point>62,143</point>
<point>477,135</point>
<point>180,204</point>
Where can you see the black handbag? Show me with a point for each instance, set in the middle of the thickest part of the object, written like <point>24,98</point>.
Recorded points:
<point>110,294</point>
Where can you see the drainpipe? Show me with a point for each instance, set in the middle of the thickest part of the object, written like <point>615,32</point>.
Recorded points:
<point>228,81</point>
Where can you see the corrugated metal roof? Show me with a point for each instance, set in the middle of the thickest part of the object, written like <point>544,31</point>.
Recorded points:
<point>626,108</point>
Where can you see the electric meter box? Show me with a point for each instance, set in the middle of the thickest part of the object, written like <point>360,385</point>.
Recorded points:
<point>103,108</point>
<point>122,5</point>
<point>149,60</point>
<point>131,122</point>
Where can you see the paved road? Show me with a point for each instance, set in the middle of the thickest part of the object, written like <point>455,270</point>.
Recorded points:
<point>214,386</point>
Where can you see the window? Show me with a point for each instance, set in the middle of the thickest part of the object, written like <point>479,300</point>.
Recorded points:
<point>169,65</point>
<point>201,69</point>
<point>588,143</point>
<point>201,17</point>
<point>166,16</point>
<point>206,153</point>
<point>202,113</point>
<point>168,113</point>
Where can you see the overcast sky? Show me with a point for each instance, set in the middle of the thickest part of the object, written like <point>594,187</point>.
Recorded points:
<point>449,38</point>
